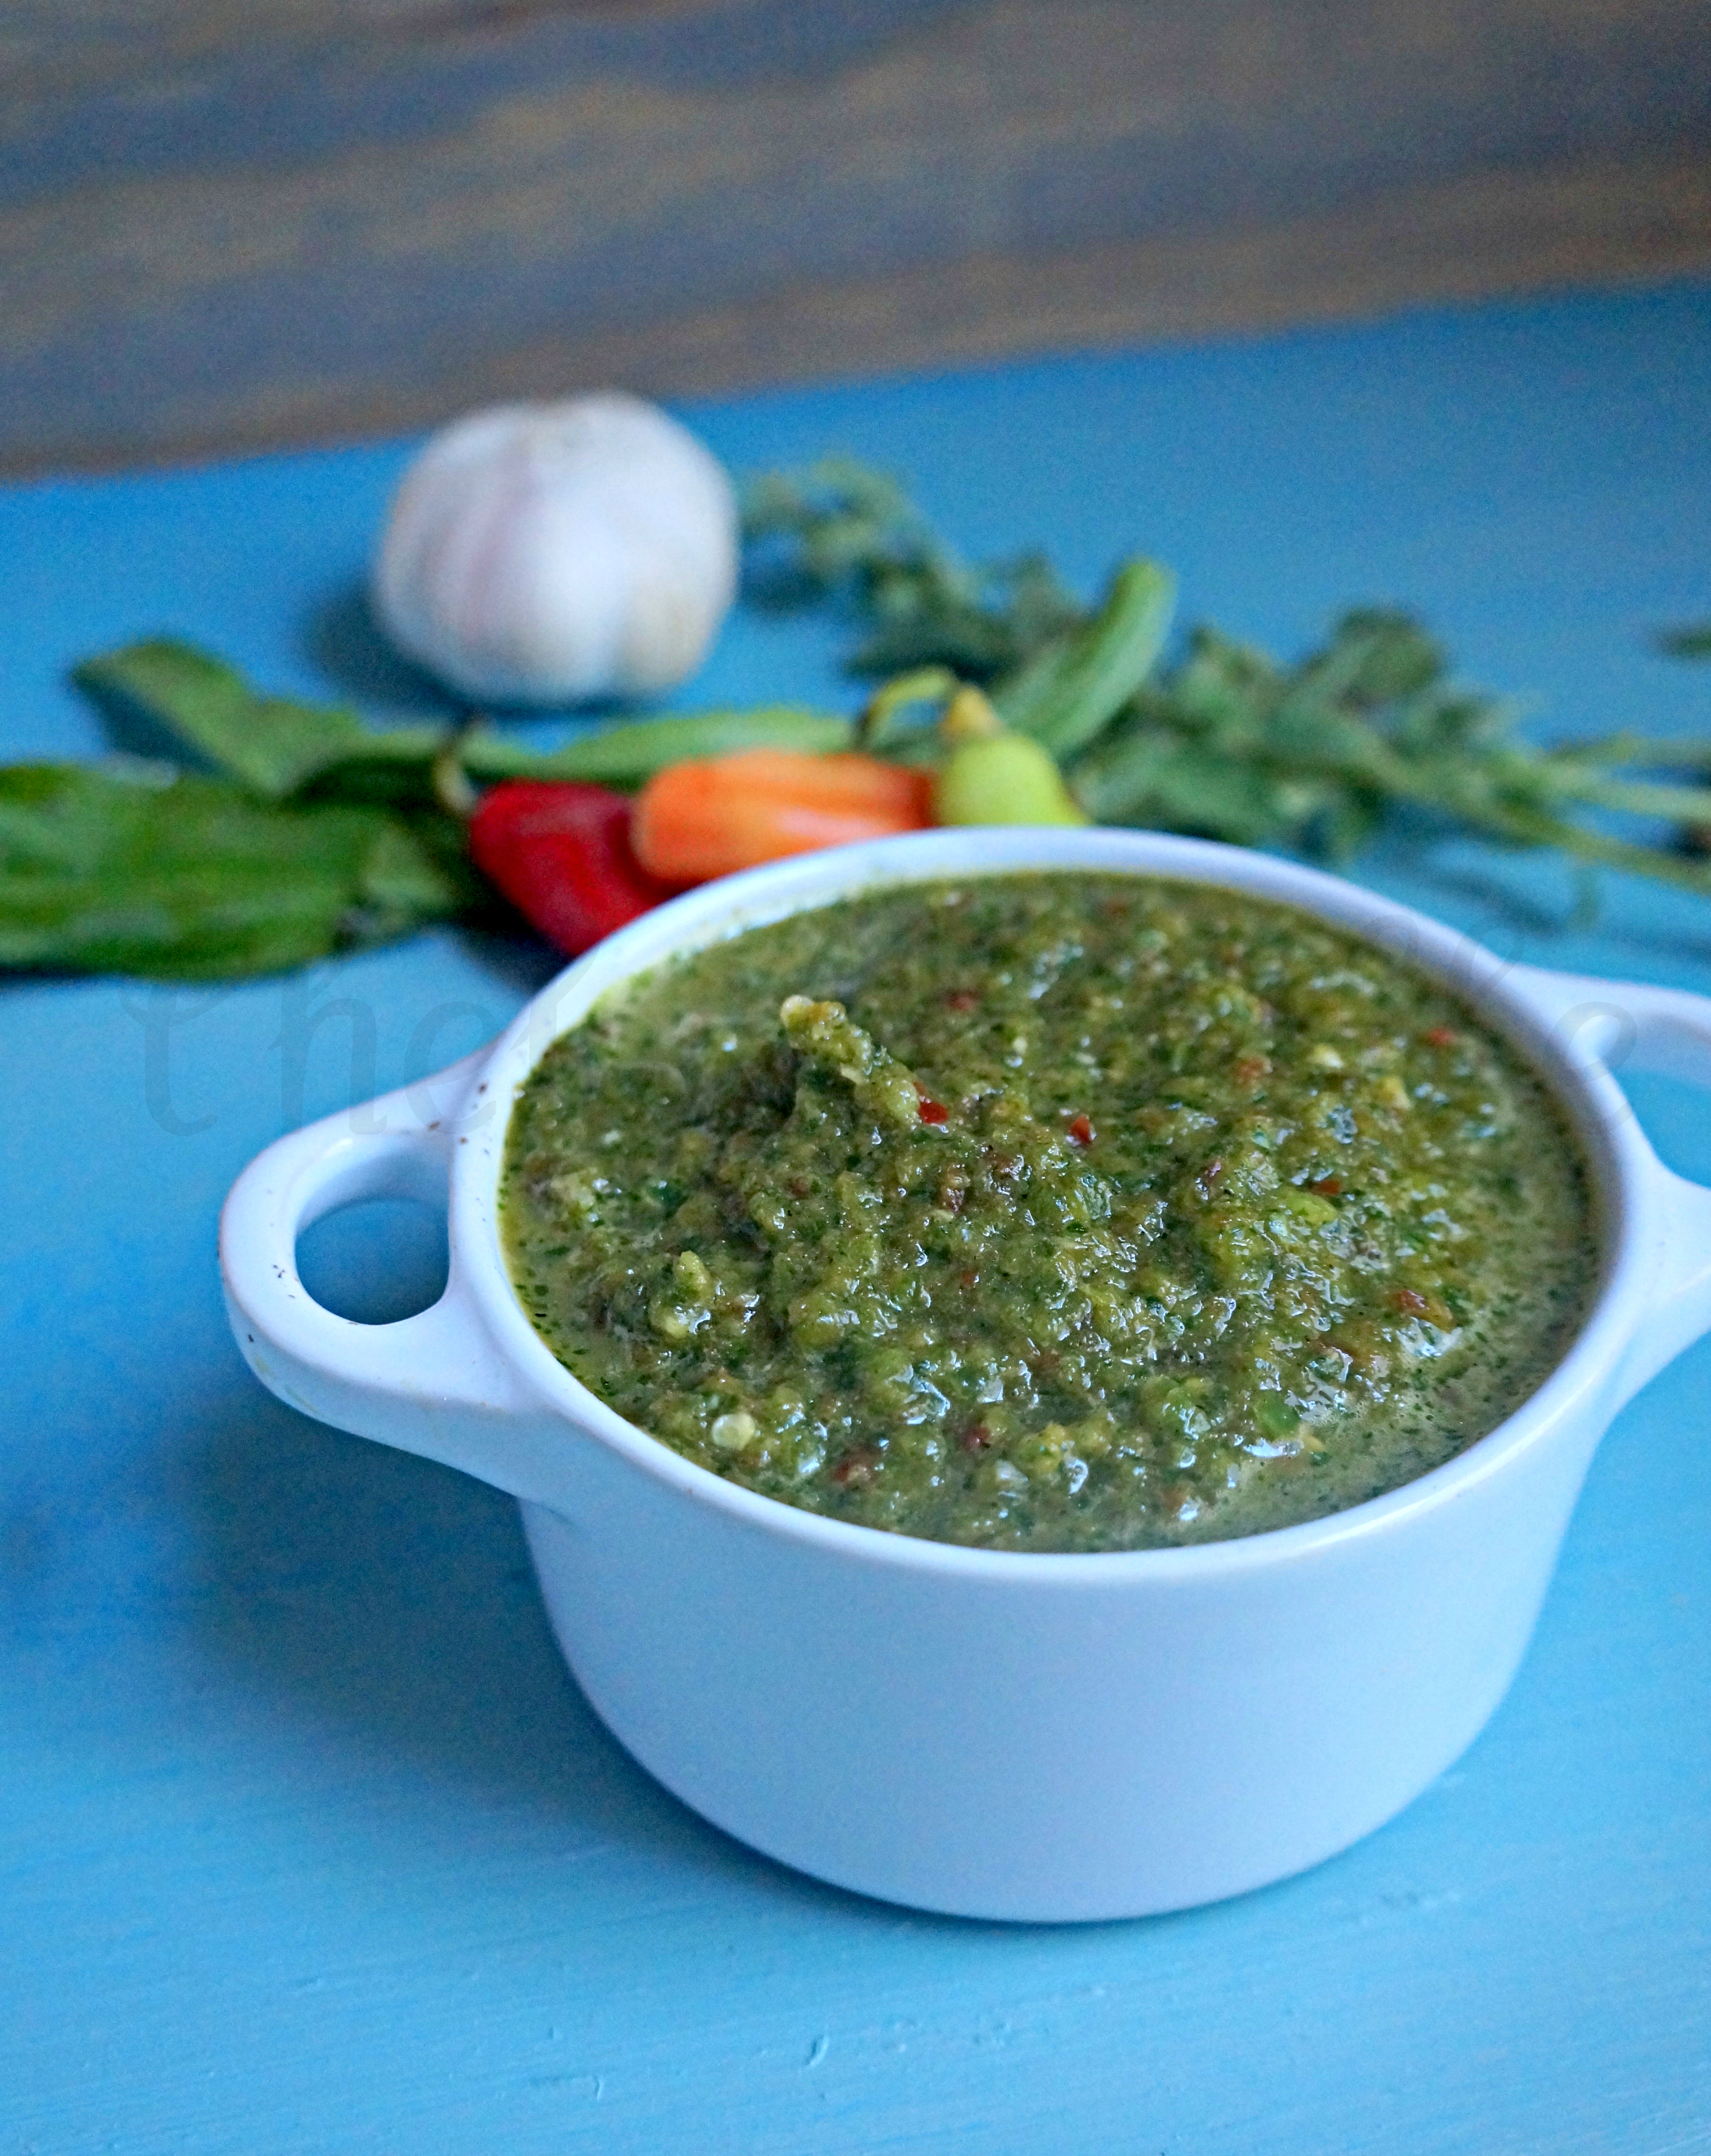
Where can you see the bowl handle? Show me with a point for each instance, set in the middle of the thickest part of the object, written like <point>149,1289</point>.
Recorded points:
<point>1629,1025</point>
<point>433,1383</point>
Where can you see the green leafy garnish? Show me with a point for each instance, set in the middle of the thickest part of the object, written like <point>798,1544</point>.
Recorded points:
<point>175,876</point>
<point>1224,742</point>
<point>276,831</point>
<point>268,744</point>
<point>1225,745</point>
<point>837,531</point>
<point>298,831</point>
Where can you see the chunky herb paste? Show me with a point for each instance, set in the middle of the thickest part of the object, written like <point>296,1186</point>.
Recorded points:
<point>1048,1212</point>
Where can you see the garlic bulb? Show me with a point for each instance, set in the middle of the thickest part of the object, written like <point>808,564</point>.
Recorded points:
<point>547,553</point>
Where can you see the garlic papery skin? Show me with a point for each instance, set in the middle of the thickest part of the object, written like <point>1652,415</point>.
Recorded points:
<point>555,553</point>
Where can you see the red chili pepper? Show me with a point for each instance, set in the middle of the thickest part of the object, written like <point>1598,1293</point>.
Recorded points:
<point>560,852</point>
<point>1081,1131</point>
<point>933,1111</point>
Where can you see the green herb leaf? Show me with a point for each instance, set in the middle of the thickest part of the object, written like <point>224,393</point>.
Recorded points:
<point>1228,746</point>
<point>837,531</point>
<point>270,744</point>
<point>1376,655</point>
<point>273,745</point>
<point>393,768</point>
<point>194,880</point>
<point>1692,641</point>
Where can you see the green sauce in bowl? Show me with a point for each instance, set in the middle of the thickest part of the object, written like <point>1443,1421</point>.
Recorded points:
<point>1049,1211</point>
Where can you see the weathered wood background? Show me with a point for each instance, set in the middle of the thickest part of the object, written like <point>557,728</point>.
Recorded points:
<point>228,225</point>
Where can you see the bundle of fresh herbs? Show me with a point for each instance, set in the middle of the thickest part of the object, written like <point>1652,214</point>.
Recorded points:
<point>258,832</point>
<point>1221,742</point>
<point>261,833</point>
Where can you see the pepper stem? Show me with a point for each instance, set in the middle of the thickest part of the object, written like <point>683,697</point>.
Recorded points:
<point>968,717</point>
<point>452,788</point>
<point>881,721</point>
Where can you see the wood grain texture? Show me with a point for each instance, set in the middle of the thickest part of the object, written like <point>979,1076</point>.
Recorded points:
<point>315,220</point>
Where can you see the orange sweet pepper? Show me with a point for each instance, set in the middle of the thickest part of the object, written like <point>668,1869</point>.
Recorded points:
<point>708,818</point>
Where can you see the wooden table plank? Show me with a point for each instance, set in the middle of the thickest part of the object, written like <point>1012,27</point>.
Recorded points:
<point>299,221</point>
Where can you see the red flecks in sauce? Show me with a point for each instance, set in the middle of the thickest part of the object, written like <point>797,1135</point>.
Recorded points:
<point>968,1229</point>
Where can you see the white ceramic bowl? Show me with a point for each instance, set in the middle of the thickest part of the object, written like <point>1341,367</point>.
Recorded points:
<point>994,1734</point>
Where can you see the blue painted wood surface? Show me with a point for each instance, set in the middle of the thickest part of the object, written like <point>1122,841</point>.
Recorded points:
<point>308,1843</point>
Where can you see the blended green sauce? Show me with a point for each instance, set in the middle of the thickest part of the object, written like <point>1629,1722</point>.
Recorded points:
<point>1048,1212</point>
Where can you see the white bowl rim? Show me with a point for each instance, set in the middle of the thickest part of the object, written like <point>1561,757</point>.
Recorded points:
<point>1622,1171</point>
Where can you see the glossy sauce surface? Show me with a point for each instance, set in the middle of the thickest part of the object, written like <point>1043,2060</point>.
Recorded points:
<point>1048,1212</point>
